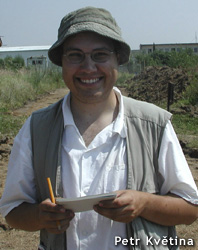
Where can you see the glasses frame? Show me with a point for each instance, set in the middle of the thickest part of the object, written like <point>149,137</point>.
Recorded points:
<point>88,53</point>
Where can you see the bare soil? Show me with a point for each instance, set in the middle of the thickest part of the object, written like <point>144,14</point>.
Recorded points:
<point>151,85</point>
<point>11,238</point>
<point>16,239</point>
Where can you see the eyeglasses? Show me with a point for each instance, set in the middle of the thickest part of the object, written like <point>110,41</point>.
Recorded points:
<point>76,56</point>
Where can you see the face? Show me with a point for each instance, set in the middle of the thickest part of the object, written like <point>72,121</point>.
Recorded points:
<point>90,81</point>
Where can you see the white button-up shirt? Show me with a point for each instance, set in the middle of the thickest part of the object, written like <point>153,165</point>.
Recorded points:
<point>98,168</point>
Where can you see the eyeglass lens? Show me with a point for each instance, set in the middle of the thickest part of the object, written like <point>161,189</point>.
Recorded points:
<point>78,56</point>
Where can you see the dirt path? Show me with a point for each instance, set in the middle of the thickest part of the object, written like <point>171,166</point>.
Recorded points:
<point>11,238</point>
<point>17,239</point>
<point>41,102</point>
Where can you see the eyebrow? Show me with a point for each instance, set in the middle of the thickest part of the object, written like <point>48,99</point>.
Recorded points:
<point>73,48</point>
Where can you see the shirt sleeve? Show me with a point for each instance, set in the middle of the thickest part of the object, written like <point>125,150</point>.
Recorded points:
<point>176,175</point>
<point>20,186</point>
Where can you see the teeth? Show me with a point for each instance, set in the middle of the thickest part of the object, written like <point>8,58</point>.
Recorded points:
<point>90,81</point>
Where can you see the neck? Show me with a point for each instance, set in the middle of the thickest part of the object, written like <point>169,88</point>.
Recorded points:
<point>90,119</point>
<point>92,111</point>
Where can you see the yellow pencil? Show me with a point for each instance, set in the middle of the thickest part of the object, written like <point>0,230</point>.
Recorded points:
<point>51,191</point>
<point>52,198</point>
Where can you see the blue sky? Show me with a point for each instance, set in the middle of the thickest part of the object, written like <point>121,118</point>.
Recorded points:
<point>35,22</point>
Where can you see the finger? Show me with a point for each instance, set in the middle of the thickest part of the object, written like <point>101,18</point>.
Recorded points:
<point>64,224</point>
<point>115,211</point>
<point>59,226</point>
<point>49,220</point>
<point>124,218</point>
<point>47,205</point>
<point>108,212</point>
<point>68,216</point>
<point>119,214</point>
<point>116,203</point>
<point>107,203</point>
<point>55,216</point>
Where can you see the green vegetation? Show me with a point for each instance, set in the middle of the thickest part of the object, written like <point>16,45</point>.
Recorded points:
<point>17,87</point>
<point>122,79</point>
<point>185,124</point>
<point>12,63</point>
<point>182,59</point>
<point>191,94</point>
<point>9,124</point>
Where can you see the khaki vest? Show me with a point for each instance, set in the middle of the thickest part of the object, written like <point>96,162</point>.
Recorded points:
<point>145,126</point>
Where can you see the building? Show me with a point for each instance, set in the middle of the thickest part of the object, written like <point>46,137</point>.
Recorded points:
<point>32,55</point>
<point>149,48</point>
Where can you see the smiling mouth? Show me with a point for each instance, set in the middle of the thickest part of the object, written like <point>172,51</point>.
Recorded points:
<point>89,81</point>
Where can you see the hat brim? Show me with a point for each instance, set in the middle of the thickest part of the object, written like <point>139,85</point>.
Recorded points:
<point>55,52</point>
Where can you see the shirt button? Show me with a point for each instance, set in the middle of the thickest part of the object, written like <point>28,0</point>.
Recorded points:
<point>86,190</point>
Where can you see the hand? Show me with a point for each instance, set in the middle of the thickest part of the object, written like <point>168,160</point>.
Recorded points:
<point>54,218</point>
<point>125,207</point>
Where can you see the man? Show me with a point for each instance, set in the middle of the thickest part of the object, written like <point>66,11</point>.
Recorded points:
<point>97,141</point>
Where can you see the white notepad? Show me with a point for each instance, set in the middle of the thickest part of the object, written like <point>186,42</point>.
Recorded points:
<point>84,203</point>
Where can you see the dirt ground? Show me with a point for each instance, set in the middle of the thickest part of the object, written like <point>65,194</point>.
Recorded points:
<point>17,239</point>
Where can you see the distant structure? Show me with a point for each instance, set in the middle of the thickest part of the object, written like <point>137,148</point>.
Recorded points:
<point>149,48</point>
<point>38,55</point>
<point>32,55</point>
<point>1,43</point>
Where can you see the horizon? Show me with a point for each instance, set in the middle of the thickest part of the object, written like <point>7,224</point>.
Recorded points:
<point>141,21</point>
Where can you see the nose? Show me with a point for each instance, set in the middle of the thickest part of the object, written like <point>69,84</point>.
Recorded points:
<point>88,64</point>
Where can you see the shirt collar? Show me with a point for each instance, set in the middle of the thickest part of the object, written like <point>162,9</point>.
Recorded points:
<point>67,114</point>
<point>118,124</point>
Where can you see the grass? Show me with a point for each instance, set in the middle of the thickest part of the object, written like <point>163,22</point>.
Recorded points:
<point>122,77</point>
<point>19,87</point>
<point>186,128</point>
<point>185,124</point>
<point>10,125</point>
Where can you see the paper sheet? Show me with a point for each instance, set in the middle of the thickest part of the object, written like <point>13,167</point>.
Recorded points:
<point>84,203</point>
